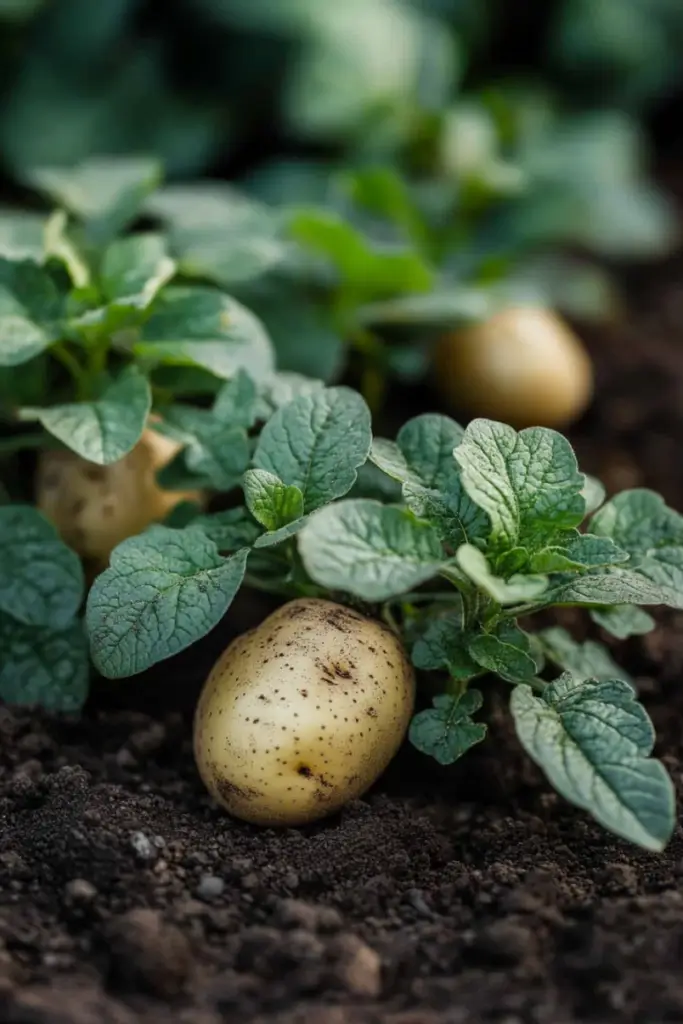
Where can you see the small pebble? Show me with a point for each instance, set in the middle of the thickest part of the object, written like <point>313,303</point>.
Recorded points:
<point>80,890</point>
<point>210,887</point>
<point>143,847</point>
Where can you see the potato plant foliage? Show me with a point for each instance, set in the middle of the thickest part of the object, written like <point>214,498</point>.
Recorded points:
<point>453,536</point>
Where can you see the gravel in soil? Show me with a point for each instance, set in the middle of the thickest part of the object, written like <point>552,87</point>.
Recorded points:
<point>443,897</point>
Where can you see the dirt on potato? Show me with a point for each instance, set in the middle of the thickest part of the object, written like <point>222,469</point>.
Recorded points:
<point>443,897</point>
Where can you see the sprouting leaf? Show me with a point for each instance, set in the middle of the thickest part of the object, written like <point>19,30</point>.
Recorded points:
<point>237,402</point>
<point>41,579</point>
<point>446,731</point>
<point>371,550</point>
<point>204,327</point>
<point>623,620</point>
<point>527,482</point>
<point>270,501</point>
<point>515,590</point>
<point>422,460</point>
<point>104,192</point>
<point>134,269</point>
<point>372,270</point>
<point>30,311</point>
<point>640,522</point>
<point>316,443</point>
<point>593,741</point>
<point>43,666</point>
<point>443,645</point>
<point>587,660</point>
<point>104,430</point>
<point>504,651</point>
<point>216,452</point>
<point>217,233</point>
<point>164,590</point>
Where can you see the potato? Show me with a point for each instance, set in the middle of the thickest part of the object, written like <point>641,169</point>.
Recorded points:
<point>302,714</point>
<point>522,366</point>
<point>96,507</point>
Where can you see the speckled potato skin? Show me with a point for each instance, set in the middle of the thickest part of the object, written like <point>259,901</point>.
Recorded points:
<point>523,366</point>
<point>302,714</point>
<point>96,507</point>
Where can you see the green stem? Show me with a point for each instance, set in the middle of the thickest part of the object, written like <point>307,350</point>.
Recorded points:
<point>72,364</point>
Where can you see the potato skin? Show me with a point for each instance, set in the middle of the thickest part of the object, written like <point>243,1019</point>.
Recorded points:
<point>523,366</point>
<point>302,714</point>
<point>96,507</point>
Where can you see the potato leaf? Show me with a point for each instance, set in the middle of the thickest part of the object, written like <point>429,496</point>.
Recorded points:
<point>612,586</point>
<point>371,550</point>
<point>237,402</point>
<point>164,590</point>
<point>271,502</point>
<point>134,269</point>
<point>104,430</point>
<point>506,651</point>
<point>640,522</point>
<point>588,660</point>
<point>30,311</point>
<point>203,327</point>
<point>422,460</point>
<point>593,741</point>
<point>443,645</point>
<point>216,452</point>
<point>106,193</point>
<point>446,731</point>
<point>623,620</point>
<point>515,590</point>
<point>43,666</point>
<point>41,579</point>
<point>316,443</point>
<point>527,482</point>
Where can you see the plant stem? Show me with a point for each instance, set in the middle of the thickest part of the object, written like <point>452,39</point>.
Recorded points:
<point>71,363</point>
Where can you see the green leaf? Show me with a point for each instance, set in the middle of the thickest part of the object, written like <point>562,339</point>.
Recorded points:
<point>445,309</point>
<point>22,235</point>
<point>104,192</point>
<point>446,731</point>
<point>316,443</point>
<point>593,740</point>
<point>443,645</point>
<point>102,431</point>
<point>371,270</point>
<point>217,452</point>
<point>237,402</point>
<point>584,660</point>
<point>527,482</point>
<point>42,666</point>
<point>30,310</point>
<point>41,579</point>
<point>505,651</point>
<point>303,335</point>
<point>230,530</point>
<point>164,590</point>
<point>270,501</point>
<point>217,233</point>
<point>613,586</point>
<point>515,590</point>
<point>373,551</point>
<point>593,494</point>
<point>640,522</point>
<point>134,269</point>
<point>269,540</point>
<point>573,551</point>
<point>422,460</point>
<point>623,620</point>
<point>203,327</point>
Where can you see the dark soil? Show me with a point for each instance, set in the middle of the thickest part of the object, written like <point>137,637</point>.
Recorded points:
<point>444,897</point>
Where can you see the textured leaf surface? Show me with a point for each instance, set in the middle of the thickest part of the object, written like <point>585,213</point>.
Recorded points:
<point>446,731</point>
<point>41,666</point>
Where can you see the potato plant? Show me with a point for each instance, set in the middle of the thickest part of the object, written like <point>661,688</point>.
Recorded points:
<point>451,537</point>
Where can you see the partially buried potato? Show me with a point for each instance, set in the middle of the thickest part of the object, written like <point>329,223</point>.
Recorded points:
<point>97,507</point>
<point>523,366</point>
<point>302,714</point>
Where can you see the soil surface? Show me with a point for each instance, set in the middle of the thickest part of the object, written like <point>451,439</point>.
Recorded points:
<point>443,897</point>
